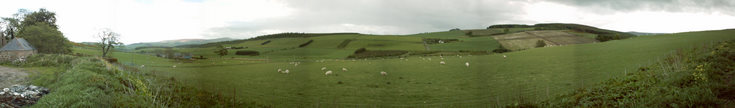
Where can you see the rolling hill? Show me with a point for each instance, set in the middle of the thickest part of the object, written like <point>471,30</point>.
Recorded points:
<point>416,78</point>
<point>172,43</point>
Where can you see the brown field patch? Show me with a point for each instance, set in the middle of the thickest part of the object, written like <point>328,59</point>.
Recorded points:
<point>528,39</point>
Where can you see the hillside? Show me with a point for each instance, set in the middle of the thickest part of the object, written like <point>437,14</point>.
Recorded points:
<point>530,75</point>
<point>172,43</point>
<point>644,33</point>
<point>478,41</point>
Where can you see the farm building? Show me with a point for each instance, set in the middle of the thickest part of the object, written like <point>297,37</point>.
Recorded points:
<point>17,48</point>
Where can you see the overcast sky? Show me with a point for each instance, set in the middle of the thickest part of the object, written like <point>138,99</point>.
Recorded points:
<point>156,20</point>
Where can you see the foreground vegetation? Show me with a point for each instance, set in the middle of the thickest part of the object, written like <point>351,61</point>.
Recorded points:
<point>91,82</point>
<point>699,77</point>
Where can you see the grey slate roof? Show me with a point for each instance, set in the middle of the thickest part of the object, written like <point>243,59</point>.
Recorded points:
<point>17,44</point>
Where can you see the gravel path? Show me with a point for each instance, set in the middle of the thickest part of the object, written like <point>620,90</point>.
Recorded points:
<point>11,76</point>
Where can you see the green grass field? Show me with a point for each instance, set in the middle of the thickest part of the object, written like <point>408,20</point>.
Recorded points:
<point>524,76</point>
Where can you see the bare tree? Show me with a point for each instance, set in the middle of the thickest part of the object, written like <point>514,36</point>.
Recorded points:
<point>108,41</point>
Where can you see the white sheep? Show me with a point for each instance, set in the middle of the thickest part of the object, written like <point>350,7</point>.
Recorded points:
<point>286,71</point>
<point>142,66</point>
<point>383,73</point>
<point>344,69</point>
<point>280,71</point>
<point>328,72</point>
<point>504,56</point>
<point>324,68</point>
<point>467,64</point>
<point>442,62</point>
<point>174,66</point>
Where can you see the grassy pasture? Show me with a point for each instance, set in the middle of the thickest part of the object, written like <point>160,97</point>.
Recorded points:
<point>525,76</point>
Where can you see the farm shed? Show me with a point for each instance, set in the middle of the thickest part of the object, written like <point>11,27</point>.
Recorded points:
<point>17,48</point>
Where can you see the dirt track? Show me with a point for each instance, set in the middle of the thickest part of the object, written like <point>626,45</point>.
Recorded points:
<point>11,76</point>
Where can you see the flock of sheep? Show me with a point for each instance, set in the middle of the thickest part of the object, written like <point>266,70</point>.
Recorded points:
<point>382,73</point>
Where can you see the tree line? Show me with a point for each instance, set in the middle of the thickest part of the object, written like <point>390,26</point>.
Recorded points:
<point>39,28</point>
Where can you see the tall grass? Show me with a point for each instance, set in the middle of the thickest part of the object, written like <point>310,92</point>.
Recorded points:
<point>699,77</point>
<point>92,82</point>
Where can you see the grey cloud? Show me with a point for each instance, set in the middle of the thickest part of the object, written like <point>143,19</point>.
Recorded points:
<point>722,6</point>
<point>408,16</point>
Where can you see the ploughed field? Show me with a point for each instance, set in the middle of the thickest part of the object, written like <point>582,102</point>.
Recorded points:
<point>521,76</point>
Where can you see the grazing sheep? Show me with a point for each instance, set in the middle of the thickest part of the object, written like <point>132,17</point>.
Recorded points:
<point>174,66</point>
<point>324,68</point>
<point>142,66</point>
<point>442,62</point>
<point>344,69</point>
<point>504,56</point>
<point>328,72</point>
<point>286,71</point>
<point>280,71</point>
<point>467,64</point>
<point>383,73</point>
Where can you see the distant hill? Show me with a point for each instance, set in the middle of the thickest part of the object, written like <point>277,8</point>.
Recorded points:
<point>643,33</point>
<point>263,37</point>
<point>172,43</point>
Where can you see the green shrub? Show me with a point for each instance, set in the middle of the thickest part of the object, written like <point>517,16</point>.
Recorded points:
<point>501,49</point>
<point>43,60</point>
<point>305,44</point>
<point>266,42</point>
<point>247,52</point>
<point>454,29</point>
<point>540,43</point>
<point>360,50</point>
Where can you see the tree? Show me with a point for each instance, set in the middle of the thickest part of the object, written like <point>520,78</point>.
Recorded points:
<point>108,41</point>
<point>46,39</point>
<point>540,43</point>
<point>39,29</point>
<point>221,51</point>
<point>13,24</point>
<point>40,16</point>
<point>501,49</point>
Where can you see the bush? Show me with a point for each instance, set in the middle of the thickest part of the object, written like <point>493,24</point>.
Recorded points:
<point>501,49</point>
<point>266,42</point>
<point>454,29</point>
<point>305,44</point>
<point>43,60</point>
<point>607,37</point>
<point>360,50</point>
<point>540,43</point>
<point>238,47</point>
<point>247,52</point>
<point>111,60</point>
<point>46,39</point>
